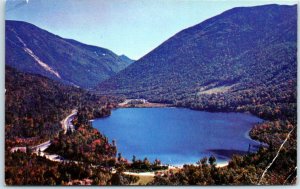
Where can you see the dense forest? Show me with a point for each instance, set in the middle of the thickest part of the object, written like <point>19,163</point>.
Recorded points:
<point>238,50</point>
<point>34,108</point>
<point>85,144</point>
<point>37,170</point>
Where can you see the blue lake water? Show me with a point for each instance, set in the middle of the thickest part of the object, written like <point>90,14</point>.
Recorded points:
<point>177,135</point>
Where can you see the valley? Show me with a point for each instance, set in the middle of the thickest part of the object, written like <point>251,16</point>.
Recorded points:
<point>215,104</point>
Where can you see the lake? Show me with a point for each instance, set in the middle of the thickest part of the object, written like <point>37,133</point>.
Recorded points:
<point>177,135</point>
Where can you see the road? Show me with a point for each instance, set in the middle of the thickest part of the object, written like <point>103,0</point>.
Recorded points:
<point>67,122</point>
<point>67,125</point>
<point>40,148</point>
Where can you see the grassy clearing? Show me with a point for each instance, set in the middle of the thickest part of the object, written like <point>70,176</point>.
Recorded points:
<point>144,179</point>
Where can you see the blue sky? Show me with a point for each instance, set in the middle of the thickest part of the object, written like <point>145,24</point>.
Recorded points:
<point>130,27</point>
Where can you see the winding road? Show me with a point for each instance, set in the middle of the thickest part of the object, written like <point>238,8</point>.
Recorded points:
<point>40,148</point>
<point>67,122</point>
<point>67,126</point>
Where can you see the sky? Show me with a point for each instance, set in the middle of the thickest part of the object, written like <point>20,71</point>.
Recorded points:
<point>130,27</point>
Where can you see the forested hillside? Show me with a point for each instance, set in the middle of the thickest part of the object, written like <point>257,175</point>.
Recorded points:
<point>34,109</point>
<point>35,106</point>
<point>242,57</point>
<point>33,50</point>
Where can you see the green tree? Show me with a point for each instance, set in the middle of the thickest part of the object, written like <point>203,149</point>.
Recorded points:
<point>119,156</point>
<point>212,160</point>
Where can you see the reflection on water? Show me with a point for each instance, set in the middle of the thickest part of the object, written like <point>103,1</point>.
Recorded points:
<point>177,135</point>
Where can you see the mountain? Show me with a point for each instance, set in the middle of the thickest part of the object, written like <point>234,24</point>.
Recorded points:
<point>34,50</point>
<point>245,56</point>
<point>124,58</point>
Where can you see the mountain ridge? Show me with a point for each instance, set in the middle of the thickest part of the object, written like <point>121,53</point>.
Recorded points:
<point>214,52</point>
<point>35,50</point>
<point>242,60</point>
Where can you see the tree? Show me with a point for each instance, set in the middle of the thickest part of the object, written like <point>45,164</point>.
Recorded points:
<point>28,149</point>
<point>146,163</point>
<point>212,160</point>
<point>157,162</point>
<point>203,161</point>
<point>119,156</point>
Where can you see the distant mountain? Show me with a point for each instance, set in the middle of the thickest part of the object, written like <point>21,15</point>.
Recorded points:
<point>124,58</point>
<point>34,50</point>
<point>243,56</point>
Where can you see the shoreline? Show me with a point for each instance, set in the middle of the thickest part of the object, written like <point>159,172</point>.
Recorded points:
<point>170,168</point>
<point>147,104</point>
<point>163,105</point>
